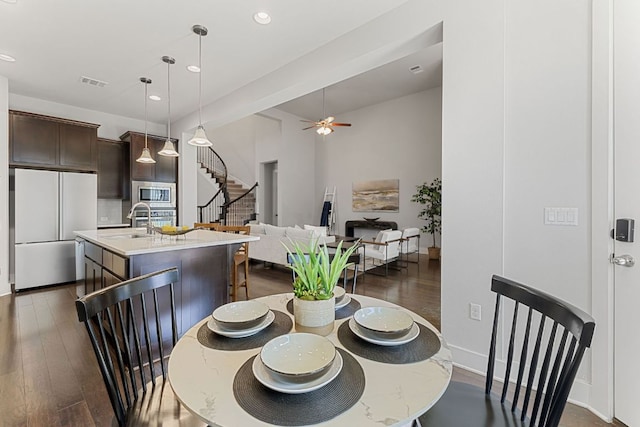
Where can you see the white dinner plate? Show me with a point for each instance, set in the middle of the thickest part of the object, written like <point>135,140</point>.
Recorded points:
<point>262,374</point>
<point>345,301</point>
<point>212,325</point>
<point>411,335</point>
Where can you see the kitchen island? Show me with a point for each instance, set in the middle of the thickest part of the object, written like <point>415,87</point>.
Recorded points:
<point>202,257</point>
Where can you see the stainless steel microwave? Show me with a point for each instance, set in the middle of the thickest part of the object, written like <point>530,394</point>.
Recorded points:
<point>155,194</point>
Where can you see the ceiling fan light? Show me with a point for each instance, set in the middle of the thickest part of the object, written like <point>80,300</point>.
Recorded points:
<point>168,150</point>
<point>324,130</point>
<point>199,138</point>
<point>145,157</point>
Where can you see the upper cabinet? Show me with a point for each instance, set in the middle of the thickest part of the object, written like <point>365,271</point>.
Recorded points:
<point>165,169</point>
<point>113,180</point>
<point>53,143</point>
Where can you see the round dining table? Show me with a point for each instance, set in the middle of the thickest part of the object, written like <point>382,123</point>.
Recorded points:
<point>379,385</point>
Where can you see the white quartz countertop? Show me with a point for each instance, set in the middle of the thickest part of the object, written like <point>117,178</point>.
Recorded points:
<point>135,241</point>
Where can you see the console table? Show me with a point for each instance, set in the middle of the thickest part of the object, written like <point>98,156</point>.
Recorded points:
<point>379,225</point>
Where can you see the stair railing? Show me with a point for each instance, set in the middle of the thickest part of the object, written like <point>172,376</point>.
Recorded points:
<point>212,211</point>
<point>241,210</point>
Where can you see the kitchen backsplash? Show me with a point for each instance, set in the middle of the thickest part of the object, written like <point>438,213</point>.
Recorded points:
<point>109,211</point>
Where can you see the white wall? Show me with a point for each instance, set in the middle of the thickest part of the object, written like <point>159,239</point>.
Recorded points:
<point>397,139</point>
<point>235,144</point>
<point>280,138</point>
<point>5,287</point>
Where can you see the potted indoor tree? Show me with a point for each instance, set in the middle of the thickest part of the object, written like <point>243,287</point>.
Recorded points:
<point>430,195</point>
<point>317,274</point>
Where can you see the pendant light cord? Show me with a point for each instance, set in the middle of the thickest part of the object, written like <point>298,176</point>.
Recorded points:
<point>200,79</point>
<point>145,113</point>
<point>169,100</point>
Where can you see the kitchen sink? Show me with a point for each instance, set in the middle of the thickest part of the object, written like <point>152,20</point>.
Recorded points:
<point>128,236</point>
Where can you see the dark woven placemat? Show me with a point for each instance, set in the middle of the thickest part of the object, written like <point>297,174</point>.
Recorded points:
<point>423,347</point>
<point>341,313</point>
<point>282,324</point>
<point>300,409</point>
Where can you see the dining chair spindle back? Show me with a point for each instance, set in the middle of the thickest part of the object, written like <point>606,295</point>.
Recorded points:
<point>549,341</point>
<point>125,323</point>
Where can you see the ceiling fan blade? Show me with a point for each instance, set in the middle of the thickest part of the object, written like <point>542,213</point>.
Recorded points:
<point>308,121</point>
<point>340,124</point>
<point>310,127</point>
<point>329,119</point>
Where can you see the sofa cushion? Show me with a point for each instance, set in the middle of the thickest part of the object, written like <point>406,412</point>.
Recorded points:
<point>379,236</point>
<point>299,234</point>
<point>318,231</point>
<point>272,230</point>
<point>256,229</point>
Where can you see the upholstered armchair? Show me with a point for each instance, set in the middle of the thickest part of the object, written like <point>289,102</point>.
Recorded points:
<point>384,249</point>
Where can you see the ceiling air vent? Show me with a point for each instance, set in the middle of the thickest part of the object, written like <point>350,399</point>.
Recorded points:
<point>416,69</point>
<point>92,82</point>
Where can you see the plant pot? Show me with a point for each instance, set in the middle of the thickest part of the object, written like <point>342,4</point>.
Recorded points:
<point>316,317</point>
<point>434,252</point>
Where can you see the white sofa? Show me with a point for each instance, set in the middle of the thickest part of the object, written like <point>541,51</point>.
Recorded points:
<point>270,247</point>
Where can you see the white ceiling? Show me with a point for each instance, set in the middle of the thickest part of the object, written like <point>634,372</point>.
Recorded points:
<point>372,87</point>
<point>119,41</point>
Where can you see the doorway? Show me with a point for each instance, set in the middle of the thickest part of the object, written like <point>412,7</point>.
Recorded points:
<point>626,152</point>
<point>269,174</point>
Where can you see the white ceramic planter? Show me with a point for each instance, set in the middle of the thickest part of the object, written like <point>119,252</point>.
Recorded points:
<point>316,317</point>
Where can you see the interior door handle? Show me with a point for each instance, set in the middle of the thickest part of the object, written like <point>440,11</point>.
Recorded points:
<point>623,260</point>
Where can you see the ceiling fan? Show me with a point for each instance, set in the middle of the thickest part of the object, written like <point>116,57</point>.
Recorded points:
<point>324,126</point>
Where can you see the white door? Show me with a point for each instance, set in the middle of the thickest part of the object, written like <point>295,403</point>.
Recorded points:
<point>626,69</point>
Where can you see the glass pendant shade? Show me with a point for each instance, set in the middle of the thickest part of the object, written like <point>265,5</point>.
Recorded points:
<point>200,138</point>
<point>145,157</point>
<point>168,150</point>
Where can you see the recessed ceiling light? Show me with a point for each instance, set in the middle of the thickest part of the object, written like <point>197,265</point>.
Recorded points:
<point>7,58</point>
<point>262,18</point>
<point>10,1</point>
<point>193,68</point>
<point>154,98</point>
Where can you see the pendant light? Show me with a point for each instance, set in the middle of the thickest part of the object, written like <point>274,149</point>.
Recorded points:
<point>324,129</point>
<point>145,157</point>
<point>169,150</point>
<point>200,137</point>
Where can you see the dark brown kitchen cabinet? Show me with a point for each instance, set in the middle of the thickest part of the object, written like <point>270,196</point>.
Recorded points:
<point>165,169</point>
<point>111,173</point>
<point>53,143</point>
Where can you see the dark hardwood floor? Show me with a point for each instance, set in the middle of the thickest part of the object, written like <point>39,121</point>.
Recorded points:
<point>49,375</point>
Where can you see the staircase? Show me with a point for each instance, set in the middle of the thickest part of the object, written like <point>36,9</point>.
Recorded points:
<point>231,204</point>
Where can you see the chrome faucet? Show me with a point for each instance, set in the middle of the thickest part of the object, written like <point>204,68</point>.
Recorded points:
<point>133,208</point>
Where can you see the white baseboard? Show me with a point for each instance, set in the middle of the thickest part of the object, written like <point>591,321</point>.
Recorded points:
<point>477,363</point>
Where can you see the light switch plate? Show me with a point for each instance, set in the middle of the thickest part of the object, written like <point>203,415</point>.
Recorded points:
<point>561,216</point>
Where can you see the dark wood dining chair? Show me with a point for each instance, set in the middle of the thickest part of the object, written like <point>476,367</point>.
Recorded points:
<point>125,323</point>
<point>549,344</point>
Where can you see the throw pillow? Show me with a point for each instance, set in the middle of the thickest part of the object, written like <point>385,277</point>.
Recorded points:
<point>318,231</point>
<point>272,230</point>
<point>299,235</point>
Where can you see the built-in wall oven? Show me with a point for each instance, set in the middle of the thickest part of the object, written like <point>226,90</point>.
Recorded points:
<point>159,217</point>
<point>161,198</point>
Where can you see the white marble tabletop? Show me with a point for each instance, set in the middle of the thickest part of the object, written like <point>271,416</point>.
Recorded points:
<point>135,241</point>
<point>394,394</point>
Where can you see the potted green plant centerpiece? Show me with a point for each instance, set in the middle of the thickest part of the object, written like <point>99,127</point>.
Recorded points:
<point>430,195</point>
<point>317,274</point>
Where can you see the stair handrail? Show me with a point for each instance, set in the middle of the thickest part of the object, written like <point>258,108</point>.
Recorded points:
<point>206,156</point>
<point>230,217</point>
<point>241,196</point>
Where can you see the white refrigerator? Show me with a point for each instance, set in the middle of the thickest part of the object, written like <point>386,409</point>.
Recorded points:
<point>49,206</point>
